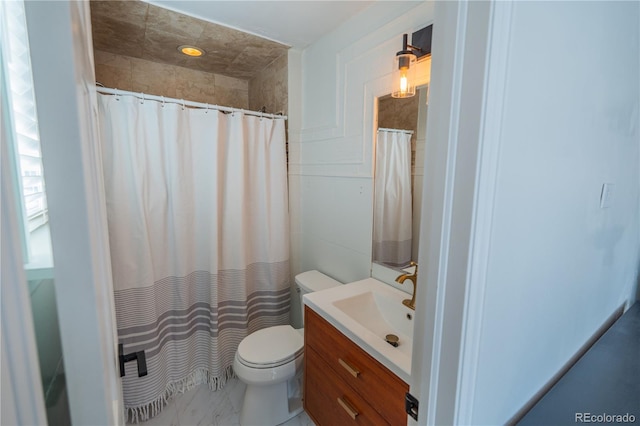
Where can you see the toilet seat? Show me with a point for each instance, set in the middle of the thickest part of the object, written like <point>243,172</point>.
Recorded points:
<point>270,347</point>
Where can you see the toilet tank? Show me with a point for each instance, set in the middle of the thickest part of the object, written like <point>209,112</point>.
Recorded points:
<point>310,281</point>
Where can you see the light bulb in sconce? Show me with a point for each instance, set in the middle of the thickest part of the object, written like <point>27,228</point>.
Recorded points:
<point>403,83</point>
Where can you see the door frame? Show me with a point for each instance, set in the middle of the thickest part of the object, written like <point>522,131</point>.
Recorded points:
<point>64,85</point>
<point>469,67</point>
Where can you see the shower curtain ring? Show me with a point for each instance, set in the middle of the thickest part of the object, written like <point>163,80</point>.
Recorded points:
<point>142,100</point>
<point>162,102</point>
<point>207,110</point>
<point>117,95</point>
<point>183,106</point>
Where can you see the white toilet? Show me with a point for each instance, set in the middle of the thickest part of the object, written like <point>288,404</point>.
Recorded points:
<point>269,361</point>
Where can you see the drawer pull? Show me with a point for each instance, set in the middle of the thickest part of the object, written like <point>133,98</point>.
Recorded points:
<point>348,408</point>
<point>353,371</point>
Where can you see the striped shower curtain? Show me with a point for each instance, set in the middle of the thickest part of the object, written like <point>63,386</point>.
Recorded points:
<point>198,230</point>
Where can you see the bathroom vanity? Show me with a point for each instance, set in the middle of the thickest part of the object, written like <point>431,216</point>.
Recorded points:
<point>343,383</point>
<point>351,374</point>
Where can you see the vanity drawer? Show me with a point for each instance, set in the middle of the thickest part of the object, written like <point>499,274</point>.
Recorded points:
<point>382,389</point>
<point>329,401</point>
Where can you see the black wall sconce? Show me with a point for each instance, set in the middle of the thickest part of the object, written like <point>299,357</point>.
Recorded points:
<point>404,70</point>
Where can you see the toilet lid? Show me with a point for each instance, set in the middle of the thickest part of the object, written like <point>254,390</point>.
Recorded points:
<point>271,346</point>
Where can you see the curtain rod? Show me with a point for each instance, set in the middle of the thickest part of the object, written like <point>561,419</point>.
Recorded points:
<point>163,99</point>
<point>396,130</point>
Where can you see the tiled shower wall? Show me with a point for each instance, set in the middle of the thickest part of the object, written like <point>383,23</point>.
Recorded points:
<point>154,78</point>
<point>269,89</point>
<point>400,114</point>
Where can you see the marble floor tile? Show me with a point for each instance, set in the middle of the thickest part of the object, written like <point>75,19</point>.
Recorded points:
<point>293,422</point>
<point>202,407</point>
<point>223,412</point>
<point>194,407</point>
<point>235,391</point>
<point>232,420</point>
<point>301,419</point>
<point>305,420</point>
<point>167,417</point>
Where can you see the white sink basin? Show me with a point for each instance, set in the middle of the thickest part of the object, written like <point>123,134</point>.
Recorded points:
<point>379,314</point>
<point>366,311</point>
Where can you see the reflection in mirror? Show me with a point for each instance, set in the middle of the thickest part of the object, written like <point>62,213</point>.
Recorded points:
<point>392,221</point>
<point>399,168</point>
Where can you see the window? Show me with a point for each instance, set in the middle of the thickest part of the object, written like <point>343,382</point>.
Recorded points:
<point>19,83</point>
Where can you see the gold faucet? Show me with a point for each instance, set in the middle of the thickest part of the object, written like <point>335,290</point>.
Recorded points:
<point>411,303</point>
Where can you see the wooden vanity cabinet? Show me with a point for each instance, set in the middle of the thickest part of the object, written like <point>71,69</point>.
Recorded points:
<point>343,384</point>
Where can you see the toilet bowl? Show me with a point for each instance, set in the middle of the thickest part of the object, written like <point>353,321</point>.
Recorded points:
<point>269,361</point>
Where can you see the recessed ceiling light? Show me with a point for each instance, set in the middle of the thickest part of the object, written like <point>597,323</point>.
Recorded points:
<point>191,50</point>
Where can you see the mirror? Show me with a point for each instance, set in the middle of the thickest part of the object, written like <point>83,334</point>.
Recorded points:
<point>399,170</point>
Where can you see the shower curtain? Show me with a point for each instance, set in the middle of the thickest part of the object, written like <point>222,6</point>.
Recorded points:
<point>198,229</point>
<point>393,203</point>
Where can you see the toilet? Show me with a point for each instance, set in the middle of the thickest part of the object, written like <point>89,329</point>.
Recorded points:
<point>269,361</point>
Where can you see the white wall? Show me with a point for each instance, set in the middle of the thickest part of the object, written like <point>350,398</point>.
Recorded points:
<point>330,143</point>
<point>559,265</point>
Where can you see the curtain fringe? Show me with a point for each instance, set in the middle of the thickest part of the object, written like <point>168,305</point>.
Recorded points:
<point>144,412</point>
